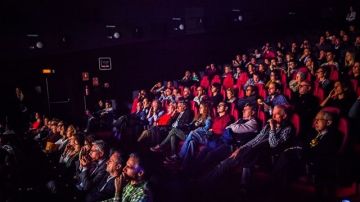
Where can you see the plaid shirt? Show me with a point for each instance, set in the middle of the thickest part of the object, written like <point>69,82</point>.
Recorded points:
<point>275,137</point>
<point>133,193</point>
<point>136,193</point>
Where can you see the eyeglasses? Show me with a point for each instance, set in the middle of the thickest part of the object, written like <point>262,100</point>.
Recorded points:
<point>303,85</point>
<point>319,72</point>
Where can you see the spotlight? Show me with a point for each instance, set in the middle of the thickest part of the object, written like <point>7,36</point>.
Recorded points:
<point>39,44</point>
<point>236,15</point>
<point>116,35</point>
<point>112,32</point>
<point>177,24</point>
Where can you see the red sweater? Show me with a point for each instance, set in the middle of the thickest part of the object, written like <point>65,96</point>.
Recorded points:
<point>164,120</point>
<point>219,124</point>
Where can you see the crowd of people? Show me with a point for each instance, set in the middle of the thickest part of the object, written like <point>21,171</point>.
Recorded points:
<point>292,109</point>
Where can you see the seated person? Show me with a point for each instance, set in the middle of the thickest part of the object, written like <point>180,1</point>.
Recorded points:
<point>167,97</point>
<point>274,98</point>
<point>322,147</point>
<point>235,134</point>
<point>230,96</point>
<point>106,188</point>
<point>154,113</point>
<point>137,188</point>
<point>272,139</point>
<point>294,84</point>
<point>249,98</point>
<point>200,96</point>
<point>322,80</point>
<point>161,126</point>
<point>253,81</point>
<point>179,129</point>
<point>157,89</point>
<point>92,170</point>
<point>216,96</point>
<point>187,79</point>
<point>305,105</point>
<point>340,97</point>
<point>198,135</point>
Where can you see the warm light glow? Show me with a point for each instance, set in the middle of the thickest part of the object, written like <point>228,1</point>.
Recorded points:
<point>48,71</point>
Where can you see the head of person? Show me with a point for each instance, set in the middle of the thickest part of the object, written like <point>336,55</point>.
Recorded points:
<point>321,73</point>
<point>227,69</point>
<point>261,68</point>
<point>54,126</point>
<point>200,91</point>
<point>279,114</point>
<point>101,103</point>
<point>88,141</point>
<point>304,87</point>
<point>171,108</point>
<point>181,106</point>
<point>168,92</point>
<point>274,88</point>
<point>187,74</point>
<point>146,103</point>
<point>139,106</point>
<point>108,104</point>
<point>292,64</point>
<point>250,91</point>
<point>215,87</point>
<point>309,62</point>
<point>356,69</point>
<point>175,92</point>
<point>340,87</point>
<point>256,77</point>
<point>300,76</point>
<point>186,92</point>
<point>204,110</point>
<point>306,51</point>
<point>248,112</point>
<point>70,131</point>
<point>114,164</point>
<point>322,121</point>
<point>222,108</point>
<point>155,104</point>
<point>98,150</point>
<point>329,56</point>
<point>78,142</point>
<point>274,76</point>
<point>169,84</point>
<point>230,93</point>
<point>46,121</point>
<point>251,68</point>
<point>59,126</point>
<point>134,169</point>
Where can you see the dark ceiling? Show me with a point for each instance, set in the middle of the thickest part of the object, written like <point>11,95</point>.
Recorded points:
<point>69,25</point>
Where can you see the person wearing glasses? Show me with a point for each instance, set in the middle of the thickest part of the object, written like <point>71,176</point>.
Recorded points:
<point>305,105</point>
<point>179,129</point>
<point>321,149</point>
<point>106,187</point>
<point>92,168</point>
<point>323,81</point>
<point>274,138</point>
<point>131,185</point>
